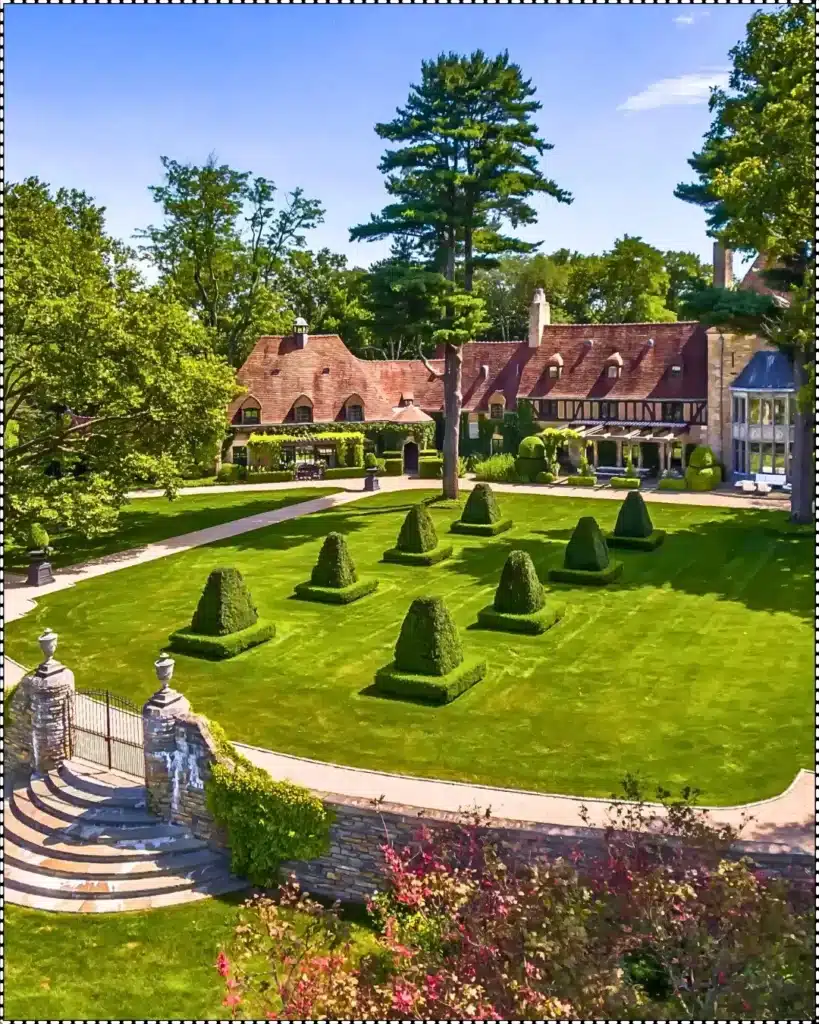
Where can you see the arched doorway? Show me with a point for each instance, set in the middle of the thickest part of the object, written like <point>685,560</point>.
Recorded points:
<point>411,457</point>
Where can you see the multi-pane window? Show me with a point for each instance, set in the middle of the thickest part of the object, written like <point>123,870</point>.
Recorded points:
<point>608,410</point>
<point>251,415</point>
<point>554,372</point>
<point>779,412</point>
<point>613,371</point>
<point>355,413</point>
<point>548,409</point>
<point>303,414</point>
<point>240,455</point>
<point>672,412</point>
<point>739,409</point>
<point>755,407</point>
<point>496,410</point>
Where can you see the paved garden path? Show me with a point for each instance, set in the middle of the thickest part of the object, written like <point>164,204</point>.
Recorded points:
<point>785,821</point>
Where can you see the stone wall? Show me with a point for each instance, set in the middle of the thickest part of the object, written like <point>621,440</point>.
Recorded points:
<point>726,360</point>
<point>17,737</point>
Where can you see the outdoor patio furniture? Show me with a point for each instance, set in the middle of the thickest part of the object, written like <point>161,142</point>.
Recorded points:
<point>747,486</point>
<point>763,488</point>
<point>309,471</point>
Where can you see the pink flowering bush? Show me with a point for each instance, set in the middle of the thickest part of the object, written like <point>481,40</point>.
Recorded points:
<point>659,923</point>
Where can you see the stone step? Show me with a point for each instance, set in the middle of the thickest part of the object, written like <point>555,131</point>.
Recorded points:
<point>35,816</point>
<point>108,906</point>
<point>42,795</point>
<point>82,797</point>
<point>51,861</point>
<point>83,887</point>
<point>80,887</point>
<point>43,841</point>
<point>99,780</point>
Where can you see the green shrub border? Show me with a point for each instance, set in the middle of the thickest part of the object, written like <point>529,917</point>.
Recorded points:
<point>545,478</point>
<point>273,476</point>
<point>432,557</point>
<point>220,647</point>
<point>582,481</point>
<point>268,822</point>
<point>482,529</point>
<point>345,473</point>
<point>671,483</point>
<point>336,595</point>
<point>625,483</point>
<point>588,577</point>
<point>429,689</point>
<point>533,624</point>
<point>393,467</point>
<point>649,543</point>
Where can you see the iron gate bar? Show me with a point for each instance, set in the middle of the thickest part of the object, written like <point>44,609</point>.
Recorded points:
<point>119,729</point>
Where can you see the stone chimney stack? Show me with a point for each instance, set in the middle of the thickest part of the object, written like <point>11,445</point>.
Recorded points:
<point>723,267</point>
<point>540,316</point>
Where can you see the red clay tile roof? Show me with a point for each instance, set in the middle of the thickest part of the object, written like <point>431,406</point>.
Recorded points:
<point>277,371</point>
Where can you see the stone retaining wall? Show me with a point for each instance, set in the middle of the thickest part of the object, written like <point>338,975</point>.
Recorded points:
<point>17,735</point>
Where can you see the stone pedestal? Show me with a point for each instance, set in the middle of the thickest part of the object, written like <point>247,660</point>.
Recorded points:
<point>371,482</point>
<point>159,715</point>
<point>49,691</point>
<point>39,571</point>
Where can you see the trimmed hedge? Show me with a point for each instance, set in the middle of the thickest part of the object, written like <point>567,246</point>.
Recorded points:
<point>391,682</point>
<point>336,595</point>
<point>219,647</point>
<point>532,624</point>
<point>433,557</point>
<point>273,476</point>
<point>625,483</point>
<point>481,529</point>
<point>671,483</point>
<point>431,469</point>
<point>393,466</point>
<point>481,506</point>
<point>431,453</point>
<point>230,473</point>
<point>545,478</point>
<point>582,481</point>
<point>392,454</point>
<point>345,473</point>
<point>703,479</point>
<point>588,577</point>
<point>225,605</point>
<point>417,532</point>
<point>334,566</point>
<point>428,643</point>
<point>633,519</point>
<point>586,549</point>
<point>519,592</point>
<point>649,543</point>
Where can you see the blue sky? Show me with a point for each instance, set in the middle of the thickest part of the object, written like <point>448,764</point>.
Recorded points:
<point>95,94</point>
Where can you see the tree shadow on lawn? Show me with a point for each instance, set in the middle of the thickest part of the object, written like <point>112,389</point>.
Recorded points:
<point>737,558</point>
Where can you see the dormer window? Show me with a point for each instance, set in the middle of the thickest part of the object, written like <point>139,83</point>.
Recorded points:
<point>555,366</point>
<point>614,366</point>
<point>303,414</point>
<point>251,415</point>
<point>554,372</point>
<point>355,414</point>
<point>676,370</point>
<point>612,371</point>
<point>497,406</point>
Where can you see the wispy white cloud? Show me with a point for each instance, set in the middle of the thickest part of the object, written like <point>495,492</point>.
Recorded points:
<point>684,19</point>
<point>684,90</point>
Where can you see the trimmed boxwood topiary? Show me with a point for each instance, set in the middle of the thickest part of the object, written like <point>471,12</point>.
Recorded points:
<point>583,481</point>
<point>429,663</point>
<point>531,459</point>
<point>225,621</point>
<point>671,483</point>
<point>519,605</point>
<point>634,528</point>
<point>625,483</point>
<point>587,557</point>
<point>417,541</point>
<point>481,515</point>
<point>334,579</point>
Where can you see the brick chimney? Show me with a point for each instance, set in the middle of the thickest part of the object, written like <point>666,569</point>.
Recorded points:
<point>723,267</point>
<point>540,316</point>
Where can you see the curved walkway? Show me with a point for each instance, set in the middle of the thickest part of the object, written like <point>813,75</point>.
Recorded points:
<point>785,822</point>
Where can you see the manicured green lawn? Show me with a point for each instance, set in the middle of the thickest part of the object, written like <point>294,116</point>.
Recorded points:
<point>695,669</point>
<point>146,520</point>
<point>153,965</point>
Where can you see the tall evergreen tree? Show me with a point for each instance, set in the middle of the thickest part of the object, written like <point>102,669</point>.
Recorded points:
<point>465,165</point>
<point>756,181</point>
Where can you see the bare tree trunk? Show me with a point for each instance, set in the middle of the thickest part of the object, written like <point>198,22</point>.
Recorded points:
<point>452,418</point>
<point>803,462</point>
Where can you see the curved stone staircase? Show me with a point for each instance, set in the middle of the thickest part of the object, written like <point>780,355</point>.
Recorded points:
<point>81,840</point>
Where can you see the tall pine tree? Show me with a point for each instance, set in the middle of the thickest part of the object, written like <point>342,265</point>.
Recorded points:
<point>464,167</point>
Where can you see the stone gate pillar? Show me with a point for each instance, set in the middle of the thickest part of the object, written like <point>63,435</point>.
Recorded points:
<point>45,696</point>
<point>159,716</point>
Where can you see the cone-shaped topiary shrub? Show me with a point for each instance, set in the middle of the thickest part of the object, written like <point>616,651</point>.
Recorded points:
<point>334,579</point>
<point>334,567</point>
<point>225,605</point>
<point>519,591</point>
<point>418,541</point>
<point>481,515</point>
<point>520,603</point>
<point>634,528</point>
<point>429,662</point>
<point>225,621</point>
<point>587,557</point>
<point>428,643</point>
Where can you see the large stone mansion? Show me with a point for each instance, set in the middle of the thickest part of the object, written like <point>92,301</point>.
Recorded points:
<point>654,387</point>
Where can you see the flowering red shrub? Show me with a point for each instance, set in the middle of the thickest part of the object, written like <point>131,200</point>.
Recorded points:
<point>659,924</point>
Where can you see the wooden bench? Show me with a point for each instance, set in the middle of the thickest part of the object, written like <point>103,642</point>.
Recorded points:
<point>309,471</point>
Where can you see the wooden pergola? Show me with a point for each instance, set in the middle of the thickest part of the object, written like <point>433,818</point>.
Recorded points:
<point>664,435</point>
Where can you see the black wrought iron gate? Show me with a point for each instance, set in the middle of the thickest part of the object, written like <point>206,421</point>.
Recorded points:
<point>107,729</point>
